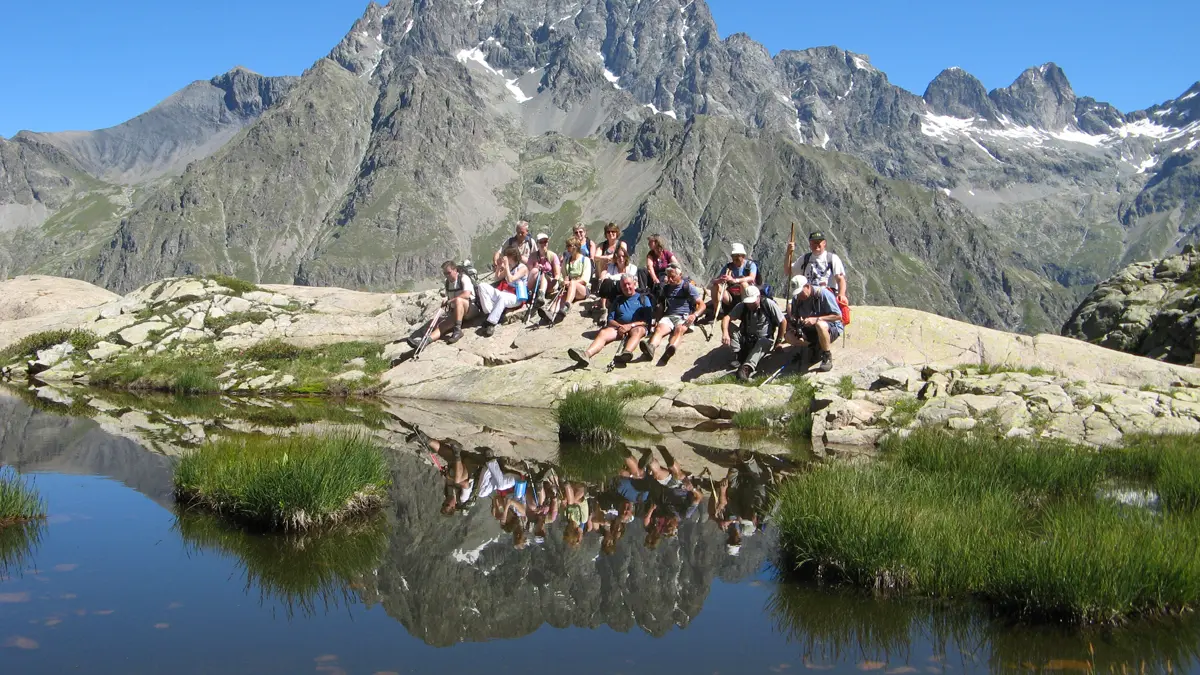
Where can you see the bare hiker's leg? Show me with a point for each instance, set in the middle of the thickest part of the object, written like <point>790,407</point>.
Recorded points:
<point>678,334</point>
<point>635,336</point>
<point>823,335</point>
<point>603,338</point>
<point>660,332</point>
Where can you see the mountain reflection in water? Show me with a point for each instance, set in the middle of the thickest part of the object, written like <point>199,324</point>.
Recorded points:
<point>659,595</point>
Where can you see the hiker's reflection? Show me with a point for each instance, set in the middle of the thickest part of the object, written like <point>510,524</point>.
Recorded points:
<point>741,500</point>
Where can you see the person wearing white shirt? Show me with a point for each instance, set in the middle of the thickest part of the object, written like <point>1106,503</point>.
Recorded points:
<point>822,268</point>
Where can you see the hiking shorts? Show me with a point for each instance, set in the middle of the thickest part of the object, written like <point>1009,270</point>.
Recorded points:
<point>810,332</point>
<point>673,322</point>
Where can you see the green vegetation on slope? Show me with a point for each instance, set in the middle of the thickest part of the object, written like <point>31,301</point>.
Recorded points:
<point>1025,525</point>
<point>30,345</point>
<point>296,483</point>
<point>314,370</point>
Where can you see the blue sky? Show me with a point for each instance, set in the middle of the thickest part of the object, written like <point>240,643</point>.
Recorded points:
<point>76,64</point>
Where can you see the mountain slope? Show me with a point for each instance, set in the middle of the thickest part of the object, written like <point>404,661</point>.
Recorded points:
<point>432,126</point>
<point>190,124</point>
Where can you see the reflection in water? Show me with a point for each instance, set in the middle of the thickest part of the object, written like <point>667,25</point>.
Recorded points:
<point>18,543</point>
<point>299,572</point>
<point>489,548</point>
<point>832,627</point>
<point>472,549</point>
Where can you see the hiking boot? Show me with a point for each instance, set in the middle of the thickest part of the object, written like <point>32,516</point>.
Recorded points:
<point>647,349</point>
<point>545,316</point>
<point>623,356</point>
<point>579,356</point>
<point>669,353</point>
<point>413,341</point>
<point>746,372</point>
<point>489,330</point>
<point>562,313</point>
<point>454,336</point>
<point>735,364</point>
<point>826,362</point>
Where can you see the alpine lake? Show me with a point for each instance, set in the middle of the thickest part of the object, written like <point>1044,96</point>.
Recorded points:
<point>118,579</point>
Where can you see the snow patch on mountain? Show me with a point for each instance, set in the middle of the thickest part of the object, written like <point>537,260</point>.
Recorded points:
<point>477,56</point>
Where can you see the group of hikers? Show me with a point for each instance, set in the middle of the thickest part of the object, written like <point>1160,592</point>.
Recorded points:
<point>530,499</point>
<point>641,308</point>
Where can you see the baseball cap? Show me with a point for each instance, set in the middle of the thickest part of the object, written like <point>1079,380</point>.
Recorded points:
<point>816,236</point>
<point>737,249</point>
<point>675,266</point>
<point>751,294</point>
<point>798,283</point>
<point>542,235</point>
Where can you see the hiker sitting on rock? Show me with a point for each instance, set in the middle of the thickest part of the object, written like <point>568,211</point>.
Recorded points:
<point>628,320</point>
<point>610,282</point>
<point>459,306</point>
<point>520,241</point>
<point>738,274</point>
<point>681,306</point>
<point>657,260</point>
<point>545,264</point>
<point>758,333</point>
<point>815,321</point>
<point>494,299</point>
<point>577,275</point>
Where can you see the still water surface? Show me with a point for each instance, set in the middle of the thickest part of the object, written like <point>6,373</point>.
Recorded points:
<point>116,582</point>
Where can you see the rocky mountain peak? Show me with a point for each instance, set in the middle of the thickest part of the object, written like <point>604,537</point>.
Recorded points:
<point>247,93</point>
<point>1040,97</point>
<point>957,93</point>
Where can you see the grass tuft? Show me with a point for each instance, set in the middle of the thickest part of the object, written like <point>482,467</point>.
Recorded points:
<point>18,501</point>
<point>237,286</point>
<point>272,350</point>
<point>220,324</point>
<point>793,420</point>
<point>294,484</point>
<point>597,416</point>
<point>996,368</point>
<point>845,387</point>
<point>1019,523</point>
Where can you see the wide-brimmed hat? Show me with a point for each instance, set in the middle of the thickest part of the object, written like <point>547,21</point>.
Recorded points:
<point>751,294</point>
<point>543,235</point>
<point>737,249</point>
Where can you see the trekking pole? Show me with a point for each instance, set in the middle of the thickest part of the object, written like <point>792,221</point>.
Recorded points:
<point>428,331</point>
<point>537,284</point>
<point>720,300</point>
<point>704,329</point>
<point>774,375</point>
<point>787,272</point>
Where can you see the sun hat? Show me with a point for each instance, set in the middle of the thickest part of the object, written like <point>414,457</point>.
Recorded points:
<point>675,266</point>
<point>542,235</point>
<point>733,549</point>
<point>750,295</point>
<point>737,249</point>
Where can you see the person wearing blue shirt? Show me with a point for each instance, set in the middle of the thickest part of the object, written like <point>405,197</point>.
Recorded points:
<point>815,320</point>
<point>628,319</point>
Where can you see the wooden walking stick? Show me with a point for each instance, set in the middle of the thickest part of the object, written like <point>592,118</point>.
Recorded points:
<point>787,272</point>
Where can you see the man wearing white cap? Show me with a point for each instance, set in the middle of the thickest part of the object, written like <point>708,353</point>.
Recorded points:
<point>815,320</point>
<point>739,273</point>
<point>758,333</point>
